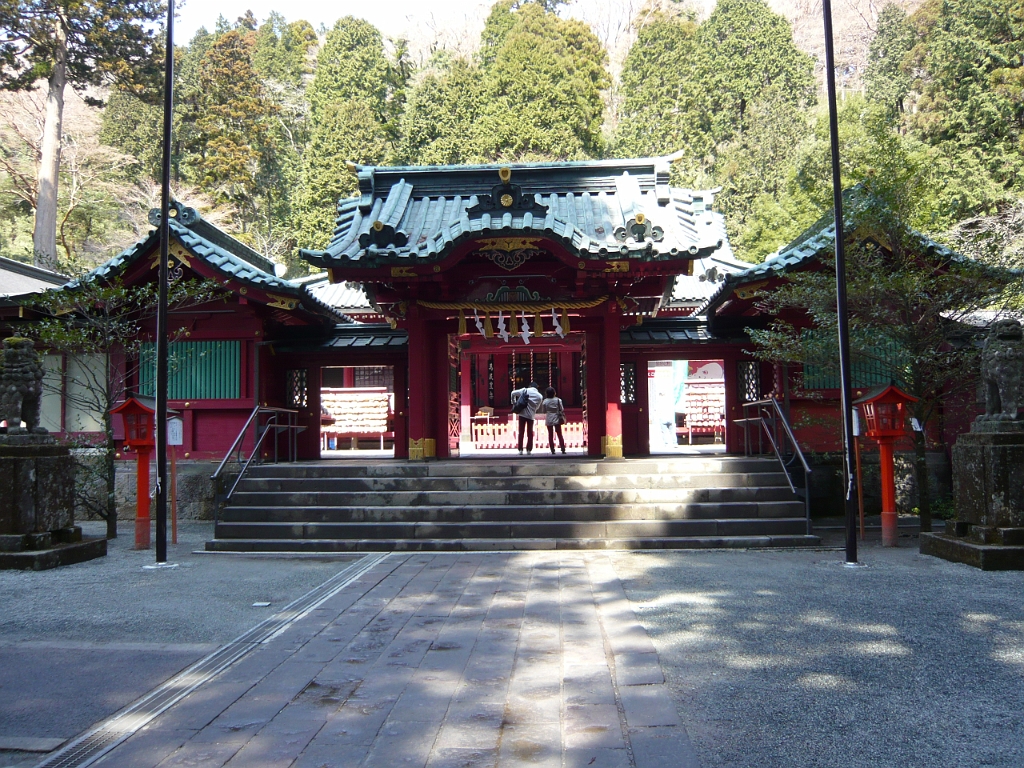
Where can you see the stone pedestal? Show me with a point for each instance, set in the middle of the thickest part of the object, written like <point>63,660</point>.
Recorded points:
<point>988,485</point>
<point>37,524</point>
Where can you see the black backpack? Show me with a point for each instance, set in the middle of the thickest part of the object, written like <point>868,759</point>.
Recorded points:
<point>522,401</point>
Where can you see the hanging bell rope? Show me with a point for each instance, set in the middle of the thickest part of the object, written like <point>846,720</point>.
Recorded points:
<point>462,322</point>
<point>565,320</point>
<point>488,328</point>
<point>538,325</point>
<point>514,324</point>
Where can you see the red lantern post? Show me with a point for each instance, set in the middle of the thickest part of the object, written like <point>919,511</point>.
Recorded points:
<point>885,418</point>
<point>138,434</point>
<point>138,414</point>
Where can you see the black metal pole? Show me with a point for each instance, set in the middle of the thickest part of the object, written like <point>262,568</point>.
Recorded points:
<point>841,308</point>
<point>161,311</point>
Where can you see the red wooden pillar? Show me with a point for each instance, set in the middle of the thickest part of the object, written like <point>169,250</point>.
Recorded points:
<point>422,443</point>
<point>142,456</point>
<point>401,421</point>
<point>890,523</point>
<point>466,398</point>
<point>441,370</point>
<point>596,411</point>
<point>612,440</point>
<point>643,401</point>
<point>733,405</point>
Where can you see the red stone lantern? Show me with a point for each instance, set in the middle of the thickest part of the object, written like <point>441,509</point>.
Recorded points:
<point>138,414</point>
<point>885,418</point>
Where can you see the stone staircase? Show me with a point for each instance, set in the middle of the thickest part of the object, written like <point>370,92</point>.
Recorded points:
<point>513,503</point>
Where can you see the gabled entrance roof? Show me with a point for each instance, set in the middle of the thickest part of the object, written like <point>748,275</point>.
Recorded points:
<point>596,210</point>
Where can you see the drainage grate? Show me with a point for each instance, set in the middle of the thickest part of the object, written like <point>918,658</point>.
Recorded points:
<point>92,745</point>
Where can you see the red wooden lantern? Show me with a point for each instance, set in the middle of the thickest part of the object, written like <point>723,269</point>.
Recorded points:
<point>138,414</point>
<point>885,418</point>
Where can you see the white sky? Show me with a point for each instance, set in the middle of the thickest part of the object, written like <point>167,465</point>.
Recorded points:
<point>392,17</point>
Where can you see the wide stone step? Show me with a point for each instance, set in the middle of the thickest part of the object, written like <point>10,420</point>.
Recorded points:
<point>514,467</point>
<point>485,545</point>
<point>528,483</point>
<point>456,498</point>
<point>759,508</point>
<point>617,529</point>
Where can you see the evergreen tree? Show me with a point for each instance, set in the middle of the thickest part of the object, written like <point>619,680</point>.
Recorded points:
<point>542,83</point>
<point>77,42</point>
<point>439,117</point>
<point>886,77</point>
<point>282,50</point>
<point>234,127</point>
<point>661,111</point>
<point>972,100</point>
<point>352,98</point>
<point>745,54</point>
<point>346,132</point>
<point>351,65</point>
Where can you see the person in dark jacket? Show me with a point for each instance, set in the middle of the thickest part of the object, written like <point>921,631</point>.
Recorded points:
<point>527,415</point>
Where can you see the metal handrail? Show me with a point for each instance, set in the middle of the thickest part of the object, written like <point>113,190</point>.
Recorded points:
<point>775,426</point>
<point>272,425</point>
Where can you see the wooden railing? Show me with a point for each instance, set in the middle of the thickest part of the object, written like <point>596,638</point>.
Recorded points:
<point>505,434</point>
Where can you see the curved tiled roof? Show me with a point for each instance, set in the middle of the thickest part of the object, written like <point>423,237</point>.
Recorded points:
<point>411,214</point>
<point>231,258</point>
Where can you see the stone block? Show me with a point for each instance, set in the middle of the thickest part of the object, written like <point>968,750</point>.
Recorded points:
<point>36,485</point>
<point>988,478</point>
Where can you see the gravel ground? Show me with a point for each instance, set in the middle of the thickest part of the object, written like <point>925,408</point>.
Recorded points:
<point>791,659</point>
<point>80,642</point>
<point>207,599</point>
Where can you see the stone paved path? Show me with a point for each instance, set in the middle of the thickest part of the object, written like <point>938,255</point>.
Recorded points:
<point>439,661</point>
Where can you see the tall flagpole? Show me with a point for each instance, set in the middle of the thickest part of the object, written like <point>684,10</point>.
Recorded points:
<point>161,312</point>
<point>841,304</point>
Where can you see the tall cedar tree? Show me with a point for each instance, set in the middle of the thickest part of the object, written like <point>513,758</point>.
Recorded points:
<point>542,83</point>
<point>661,111</point>
<point>744,54</point>
<point>439,115</point>
<point>887,78</point>
<point>349,112</point>
<point>78,42</point>
<point>972,86</point>
<point>234,126</point>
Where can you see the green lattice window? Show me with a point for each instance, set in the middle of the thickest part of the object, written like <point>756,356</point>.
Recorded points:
<point>884,363</point>
<point>197,370</point>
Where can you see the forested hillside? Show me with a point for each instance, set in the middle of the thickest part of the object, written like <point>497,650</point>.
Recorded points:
<point>270,113</point>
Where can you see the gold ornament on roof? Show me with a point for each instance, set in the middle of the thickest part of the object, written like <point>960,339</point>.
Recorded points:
<point>506,200</point>
<point>505,173</point>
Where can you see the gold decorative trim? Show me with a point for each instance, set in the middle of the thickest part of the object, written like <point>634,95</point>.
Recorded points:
<point>507,243</point>
<point>611,446</point>
<point>281,302</point>
<point>402,272</point>
<point>617,266</point>
<point>424,448</point>
<point>505,173</point>
<point>751,290</point>
<point>175,250</point>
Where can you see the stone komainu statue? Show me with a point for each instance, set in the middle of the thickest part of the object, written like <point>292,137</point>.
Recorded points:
<point>1002,370</point>
<point>21,386</point>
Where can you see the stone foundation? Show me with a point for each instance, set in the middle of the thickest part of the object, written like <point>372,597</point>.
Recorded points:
<point>37,499</point>
<point>196,500</point>
<point>988,483</point>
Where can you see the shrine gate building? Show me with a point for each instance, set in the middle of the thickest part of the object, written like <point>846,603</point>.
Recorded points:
<point>560,273</point>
